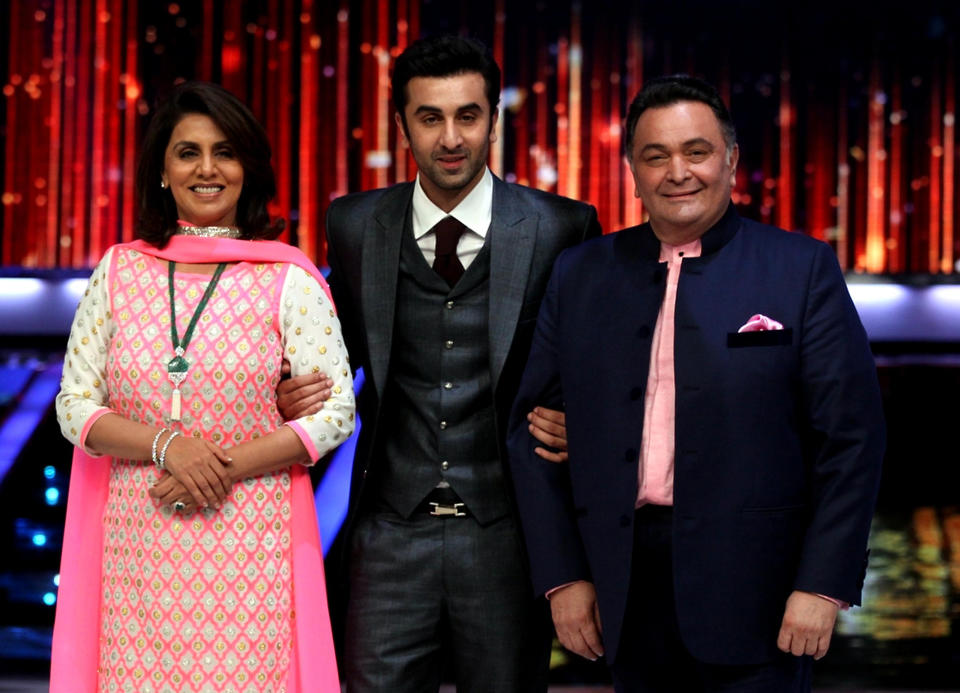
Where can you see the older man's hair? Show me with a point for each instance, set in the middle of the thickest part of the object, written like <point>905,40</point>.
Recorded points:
<point>672,89</point>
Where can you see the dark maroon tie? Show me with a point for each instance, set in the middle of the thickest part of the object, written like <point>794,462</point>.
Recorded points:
<point>448,231</point>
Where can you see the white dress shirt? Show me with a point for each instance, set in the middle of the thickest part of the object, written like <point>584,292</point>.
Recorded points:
<point>474,212</point>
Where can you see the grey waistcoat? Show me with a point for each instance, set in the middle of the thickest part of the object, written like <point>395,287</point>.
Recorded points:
<point>438,409</point>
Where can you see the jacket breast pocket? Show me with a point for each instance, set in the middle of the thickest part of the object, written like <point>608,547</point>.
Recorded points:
<point>784,337</point>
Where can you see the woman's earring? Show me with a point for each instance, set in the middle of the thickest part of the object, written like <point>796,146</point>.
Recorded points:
<point>163,184</point>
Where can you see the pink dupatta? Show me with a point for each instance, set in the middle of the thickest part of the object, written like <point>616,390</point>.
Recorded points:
<point>76,631</point>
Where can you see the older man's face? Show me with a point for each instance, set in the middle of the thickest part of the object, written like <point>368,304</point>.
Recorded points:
<point>682,169</point>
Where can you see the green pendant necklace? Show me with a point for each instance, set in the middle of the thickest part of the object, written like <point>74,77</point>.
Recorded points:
<point>178,366</point>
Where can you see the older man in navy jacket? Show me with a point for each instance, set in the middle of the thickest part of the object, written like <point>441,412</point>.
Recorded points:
<point>724,423</point>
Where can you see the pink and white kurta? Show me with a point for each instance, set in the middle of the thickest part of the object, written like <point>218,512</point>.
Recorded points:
<point>201,601</point>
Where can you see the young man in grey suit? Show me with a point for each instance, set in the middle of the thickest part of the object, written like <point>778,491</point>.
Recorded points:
<point>437,284</point>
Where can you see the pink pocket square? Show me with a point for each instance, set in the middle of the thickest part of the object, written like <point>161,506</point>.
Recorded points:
<point>760,323</point>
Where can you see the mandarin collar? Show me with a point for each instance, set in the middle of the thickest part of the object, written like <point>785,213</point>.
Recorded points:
<point>647,244</point>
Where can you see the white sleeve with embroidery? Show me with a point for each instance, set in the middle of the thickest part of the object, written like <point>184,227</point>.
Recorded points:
<point>312,343</point>
<point>83,386</point>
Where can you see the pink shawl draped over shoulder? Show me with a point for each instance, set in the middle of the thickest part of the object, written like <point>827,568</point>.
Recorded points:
<point>76,632</point>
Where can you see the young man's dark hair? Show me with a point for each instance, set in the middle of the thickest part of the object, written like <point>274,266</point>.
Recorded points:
<point>666,91</point>
<point>444,56</point>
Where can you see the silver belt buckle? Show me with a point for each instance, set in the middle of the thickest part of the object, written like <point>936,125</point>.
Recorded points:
<point>447,510</point>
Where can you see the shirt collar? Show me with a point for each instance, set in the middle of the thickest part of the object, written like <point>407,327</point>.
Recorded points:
<point>672,253</point>
<point>474,211</point>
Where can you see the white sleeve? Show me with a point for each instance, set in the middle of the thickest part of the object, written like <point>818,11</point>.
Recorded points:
<point>83,388</point>
<point>312,343</point>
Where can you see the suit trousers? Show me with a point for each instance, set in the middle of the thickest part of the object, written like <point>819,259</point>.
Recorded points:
<point>652,657</point>
<point>429,594</point>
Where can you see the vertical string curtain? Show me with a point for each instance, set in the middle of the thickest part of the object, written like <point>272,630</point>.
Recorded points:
<point>863,156</point>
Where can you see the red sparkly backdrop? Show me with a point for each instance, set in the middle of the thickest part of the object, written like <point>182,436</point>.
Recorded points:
<point>845,113</point>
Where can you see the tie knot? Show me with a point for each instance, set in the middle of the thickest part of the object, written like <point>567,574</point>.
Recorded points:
<point>448,231</point>
<point>446,263</point>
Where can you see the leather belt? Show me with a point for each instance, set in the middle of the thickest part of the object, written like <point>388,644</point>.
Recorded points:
<point>443,502</point>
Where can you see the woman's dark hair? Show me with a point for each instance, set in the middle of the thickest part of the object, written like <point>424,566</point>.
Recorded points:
<point>158,211</point>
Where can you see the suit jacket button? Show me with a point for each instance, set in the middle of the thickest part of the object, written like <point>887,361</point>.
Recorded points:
<point>624,521</point>
<point>636,393</point>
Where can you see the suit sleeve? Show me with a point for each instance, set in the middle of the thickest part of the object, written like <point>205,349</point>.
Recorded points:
<point>592,228</point>
<point>543,489</point>
<point>845,414</point>
<point>340,286</point>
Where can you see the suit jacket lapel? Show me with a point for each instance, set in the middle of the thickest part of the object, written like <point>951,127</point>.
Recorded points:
<point>513,231</point>
<point>381,266</point>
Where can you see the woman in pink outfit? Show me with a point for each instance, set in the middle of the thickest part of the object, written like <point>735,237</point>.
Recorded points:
<point>191,560</point>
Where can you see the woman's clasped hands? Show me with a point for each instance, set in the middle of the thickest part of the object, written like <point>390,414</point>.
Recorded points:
<point>196,475</point>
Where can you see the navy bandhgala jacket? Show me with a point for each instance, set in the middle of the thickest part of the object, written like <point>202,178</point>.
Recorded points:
<point>779,434</point>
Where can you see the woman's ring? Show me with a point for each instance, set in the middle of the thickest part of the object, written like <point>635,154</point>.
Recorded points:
<point>179,506</point>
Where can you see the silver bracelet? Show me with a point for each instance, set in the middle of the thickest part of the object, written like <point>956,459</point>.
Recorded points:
<point>163,450</point>
<point>153,448</point>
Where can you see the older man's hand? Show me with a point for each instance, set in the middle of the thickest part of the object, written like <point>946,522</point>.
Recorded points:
<point>549,426</point>
<point>576,617</point>
<point>807,626</point>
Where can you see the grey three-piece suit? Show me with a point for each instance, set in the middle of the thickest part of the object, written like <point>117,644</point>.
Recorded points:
<point>442,367</point>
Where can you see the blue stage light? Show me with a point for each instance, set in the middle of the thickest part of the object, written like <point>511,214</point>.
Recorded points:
<point>39,539</point>
<point>49,599</point>
<point>52,495</point>
<point>32,406</point>
<point>49,471</point>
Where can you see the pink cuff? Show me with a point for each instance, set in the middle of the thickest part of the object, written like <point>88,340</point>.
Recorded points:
<point>549,592</point>
<point>306,440</point>
<point>843,606</point>
<point>86,430</point>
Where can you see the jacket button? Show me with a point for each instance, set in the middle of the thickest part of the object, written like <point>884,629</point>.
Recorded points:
<point>443,425</point>
<point>444,465</point>
<point>448,386</point>
<point>636,393</point>
<point>449,305</point>
<point>448,344</point>
<point>631,455</point>
<point>624,521</point>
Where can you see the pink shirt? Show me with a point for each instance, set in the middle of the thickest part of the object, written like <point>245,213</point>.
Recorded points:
<point>655,472</point>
